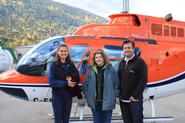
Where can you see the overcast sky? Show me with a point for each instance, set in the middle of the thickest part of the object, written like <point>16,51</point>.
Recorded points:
<point>157,8</point>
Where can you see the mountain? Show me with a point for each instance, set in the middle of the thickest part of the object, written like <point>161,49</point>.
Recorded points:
<point>25,22</point>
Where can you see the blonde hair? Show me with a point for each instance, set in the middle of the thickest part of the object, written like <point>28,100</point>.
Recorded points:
<point>104,56</point>
<point>57,57</point>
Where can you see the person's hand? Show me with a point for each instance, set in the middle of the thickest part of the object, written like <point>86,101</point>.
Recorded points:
<point>133,99</point>
<point>71,84</point>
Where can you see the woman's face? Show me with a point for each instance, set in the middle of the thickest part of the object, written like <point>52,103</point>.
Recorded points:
<point>63,52</point>
<point>99,60</point>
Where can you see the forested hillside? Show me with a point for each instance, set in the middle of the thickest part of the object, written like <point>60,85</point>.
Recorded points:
<point>25,22</point>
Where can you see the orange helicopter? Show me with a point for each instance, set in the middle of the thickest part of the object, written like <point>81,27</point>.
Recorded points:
<point>159,41</point>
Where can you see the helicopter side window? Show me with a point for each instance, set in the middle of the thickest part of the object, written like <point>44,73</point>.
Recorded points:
<point>115,53</point>
<point>38,60</point>
<point>137,51</point>
<point>80,55</point>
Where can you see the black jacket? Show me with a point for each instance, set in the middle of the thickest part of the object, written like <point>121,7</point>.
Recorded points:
<point>133,78</point>
<point>57,78</point>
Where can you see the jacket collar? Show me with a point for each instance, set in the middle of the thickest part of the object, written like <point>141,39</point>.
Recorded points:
<point>128,59</point>
<point>94,67</point>
<point>132,59</point>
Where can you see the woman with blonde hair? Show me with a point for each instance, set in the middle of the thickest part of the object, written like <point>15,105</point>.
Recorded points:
<point>101,87</point>
<point>63,78</point>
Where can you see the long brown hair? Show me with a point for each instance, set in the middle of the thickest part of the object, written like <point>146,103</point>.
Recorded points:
<point>100,51</point>
<point>57,57</point>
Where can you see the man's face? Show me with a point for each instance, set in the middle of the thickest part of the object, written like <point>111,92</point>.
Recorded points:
<point>128,50</point>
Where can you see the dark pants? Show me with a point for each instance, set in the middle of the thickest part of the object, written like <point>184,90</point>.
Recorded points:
<point>61,107</point>
<point>100,116</point>
<point>132,112</point>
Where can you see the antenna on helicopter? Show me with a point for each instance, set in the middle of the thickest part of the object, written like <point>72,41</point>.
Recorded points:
<point>125,6</point>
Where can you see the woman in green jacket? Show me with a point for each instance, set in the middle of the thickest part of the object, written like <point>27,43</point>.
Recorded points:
<point>101,88</point>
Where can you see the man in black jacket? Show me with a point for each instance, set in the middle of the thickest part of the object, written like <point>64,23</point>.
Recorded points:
<point>133,78</point>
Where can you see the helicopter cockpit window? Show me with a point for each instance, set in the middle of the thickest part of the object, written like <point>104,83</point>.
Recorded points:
<point>80,55</point>
<point>35,61</point>
<point>115,52</point>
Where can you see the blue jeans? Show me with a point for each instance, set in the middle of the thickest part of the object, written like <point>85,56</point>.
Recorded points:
<point>132,112</point>
<point>61,107</point>
<point>100,116</point>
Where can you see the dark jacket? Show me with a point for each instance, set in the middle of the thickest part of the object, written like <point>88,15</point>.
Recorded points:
<point>133,78</point>
<point>110,90</point>
<point>99,83</point>
<point>57,78</point>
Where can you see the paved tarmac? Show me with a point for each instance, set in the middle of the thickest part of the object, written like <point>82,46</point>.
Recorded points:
<point>13,110</point>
